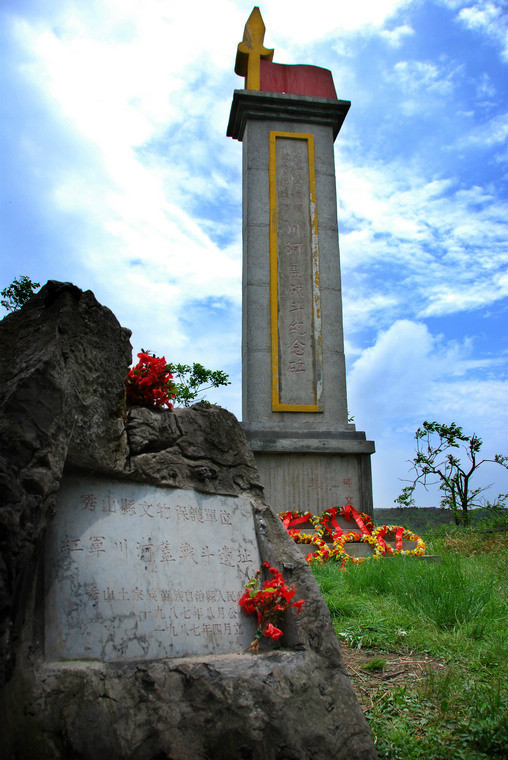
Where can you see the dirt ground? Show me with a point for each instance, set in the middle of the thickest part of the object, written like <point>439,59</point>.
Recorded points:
<point>372,685</point>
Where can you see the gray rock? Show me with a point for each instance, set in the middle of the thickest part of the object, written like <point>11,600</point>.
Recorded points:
<point>65,359</point>
<point>235,706</point>
<point>202,447</point>
<point>151,431</point>
<point>291,702</point>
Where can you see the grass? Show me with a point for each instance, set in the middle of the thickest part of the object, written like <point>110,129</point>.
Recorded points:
<point>455,610</point>
<point>376,665</point>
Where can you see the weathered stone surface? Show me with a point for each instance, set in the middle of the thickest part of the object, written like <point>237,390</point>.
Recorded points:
<point>222,708</point>
<point>202,447</point>
<point>64,358</point>
<point>291,701</point>
<point>149,432</point>
<point>139,572</point>
<point>224,444</point>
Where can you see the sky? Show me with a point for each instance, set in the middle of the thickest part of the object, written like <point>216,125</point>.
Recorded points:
<point>117,175</point>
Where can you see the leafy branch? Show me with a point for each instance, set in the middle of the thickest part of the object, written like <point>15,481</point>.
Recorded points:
<point>436,463</point>
<point>187,381</point>
<point>18,293</point>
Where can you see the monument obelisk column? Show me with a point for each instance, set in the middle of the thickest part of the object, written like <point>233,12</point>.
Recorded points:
<point>294,379</point>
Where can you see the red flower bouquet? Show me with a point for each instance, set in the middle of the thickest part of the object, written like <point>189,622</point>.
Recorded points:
<point>149,382</point>
<point>268,603</point>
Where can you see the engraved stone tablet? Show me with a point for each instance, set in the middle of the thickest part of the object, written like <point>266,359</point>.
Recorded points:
<point>295,296</point>
<point>140,572</point>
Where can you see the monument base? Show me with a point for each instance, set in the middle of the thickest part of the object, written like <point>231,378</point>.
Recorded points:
<point>314,471</point>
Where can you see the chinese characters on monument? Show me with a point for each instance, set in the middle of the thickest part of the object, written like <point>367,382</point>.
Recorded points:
<point>135,572</point>
<point>295,302</point>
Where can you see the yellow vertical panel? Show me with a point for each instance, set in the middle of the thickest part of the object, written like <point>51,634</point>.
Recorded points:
<point>277,406</point>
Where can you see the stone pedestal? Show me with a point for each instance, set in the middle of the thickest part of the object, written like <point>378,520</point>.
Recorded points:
<point>306,474</point>
<point>294,379</point>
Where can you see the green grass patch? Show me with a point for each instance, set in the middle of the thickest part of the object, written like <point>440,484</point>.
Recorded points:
<point>449,717</point>
<point>455,610</point>
<point>376,665</point>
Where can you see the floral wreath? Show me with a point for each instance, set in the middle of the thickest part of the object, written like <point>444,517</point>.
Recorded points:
<point>322,553</point>
<point>400,534</point>
<point>342,556</point>
<point>328,526</point>
<point>294,520</point>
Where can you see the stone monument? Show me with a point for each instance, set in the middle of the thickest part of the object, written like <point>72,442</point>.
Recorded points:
<point>127,535</point>
<point>134,571</point>
<point>294,410</point>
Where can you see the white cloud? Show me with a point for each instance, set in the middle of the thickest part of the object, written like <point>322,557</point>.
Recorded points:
<point>448,298</point>
<point>294,21</point>
<point>488,134</point>
<point>410,375</point>
<point>397,373</point>
<point>394,37</point>
<point>484,87</point>
<point>490,18</point>
<point>364,307</point>
<point>125,90</point>
<point>118,85</point>
<point>438,248</point>
<point>414,76</point>
<point>424,86</point>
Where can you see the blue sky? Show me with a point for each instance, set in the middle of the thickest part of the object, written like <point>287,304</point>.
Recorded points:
<point>118,176</point>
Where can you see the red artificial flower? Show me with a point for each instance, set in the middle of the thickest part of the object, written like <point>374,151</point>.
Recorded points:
<point>298,605</point>
<point>149,382</point>
<point>272,632</point>
<point>268,602</point>
<point>247,603</point>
